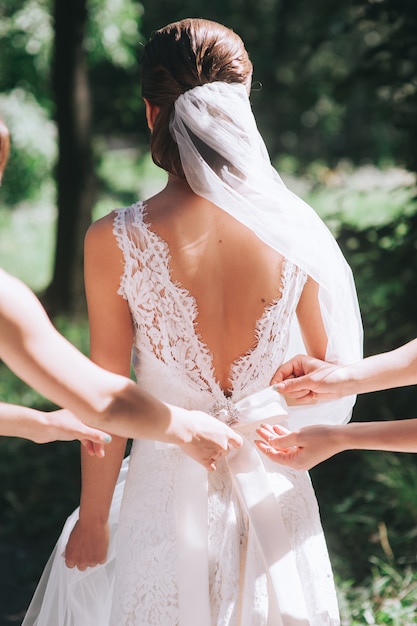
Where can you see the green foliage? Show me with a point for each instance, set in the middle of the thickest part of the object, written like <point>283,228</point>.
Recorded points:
<point>26,40</point>
<point>33,147</point>
<point>125,176</point>
<point>389,597</point>
<point>369,499</point>
<point>373,213</point>
<point>358,197</point>
<point>40,484</point>
<point>26,31</point>
<point>36,479</point>
<point>113,45</point>
<point>27,240</point>
<point>114,32</point>
<point>388,66</point>
<point>337,79</point>
<point>384,262</point>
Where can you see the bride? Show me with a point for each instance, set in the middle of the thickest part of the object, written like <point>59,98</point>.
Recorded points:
<point>213,282</point>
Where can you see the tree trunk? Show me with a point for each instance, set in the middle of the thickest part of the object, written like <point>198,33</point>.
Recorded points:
<point>76,182</point>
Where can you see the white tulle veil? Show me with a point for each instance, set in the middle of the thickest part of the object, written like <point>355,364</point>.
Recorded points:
<point>226,161</point>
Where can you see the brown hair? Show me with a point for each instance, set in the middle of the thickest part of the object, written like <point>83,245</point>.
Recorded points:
<point>4,146</point>
<point>181,56</point>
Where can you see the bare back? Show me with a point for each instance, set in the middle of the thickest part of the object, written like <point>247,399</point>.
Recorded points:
<point>231,274</point>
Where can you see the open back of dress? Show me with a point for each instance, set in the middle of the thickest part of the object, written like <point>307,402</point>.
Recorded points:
<point>140,585</point>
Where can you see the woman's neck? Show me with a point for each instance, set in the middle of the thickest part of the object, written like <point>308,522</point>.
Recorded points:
<point>175,183</point>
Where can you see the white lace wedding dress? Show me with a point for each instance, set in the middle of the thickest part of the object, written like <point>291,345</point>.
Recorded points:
<point>141,583</point>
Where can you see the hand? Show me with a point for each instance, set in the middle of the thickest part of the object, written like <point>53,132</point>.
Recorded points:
<point>302,449</point>
<point>305,380</point>
<point>208,439</point>
<point>63,425</point>
<point>87,545</point>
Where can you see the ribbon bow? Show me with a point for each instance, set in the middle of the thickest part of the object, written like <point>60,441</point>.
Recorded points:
<point>247,414</point>
<point>252,484</point>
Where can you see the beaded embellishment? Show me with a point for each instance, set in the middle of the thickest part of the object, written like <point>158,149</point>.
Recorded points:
<point>226,411</point>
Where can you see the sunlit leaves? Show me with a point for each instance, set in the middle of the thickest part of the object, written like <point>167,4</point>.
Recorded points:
<point>26,35</point>
<point>114,31</point>
<point>33,146</point>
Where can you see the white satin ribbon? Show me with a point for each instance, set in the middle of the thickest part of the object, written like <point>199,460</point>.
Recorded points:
<point>257,497</point>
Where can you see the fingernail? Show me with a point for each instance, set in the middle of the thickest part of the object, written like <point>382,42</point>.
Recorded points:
<point>107,438</point>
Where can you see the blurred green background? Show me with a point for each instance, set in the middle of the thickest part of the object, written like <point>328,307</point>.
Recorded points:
<point>335,97</point>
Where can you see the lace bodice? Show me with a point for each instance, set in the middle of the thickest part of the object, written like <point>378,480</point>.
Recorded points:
<point>144,581</point>
<point>164,316</point>
<point>172,362</point>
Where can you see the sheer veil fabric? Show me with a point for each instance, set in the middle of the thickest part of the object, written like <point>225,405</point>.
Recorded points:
<point>225,160</point>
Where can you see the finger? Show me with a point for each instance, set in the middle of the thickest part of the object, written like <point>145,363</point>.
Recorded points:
<point>285,371</point>
<point>312,398</point>
<point>290,369</point>
<point>96,436</point>
<point>298,394</point>
<point>265,448</point>
<point>72,564</point>
<point>208,463</point>
<point>235,440</point>
<point>283,458</point>
<point>94,449</point>
<point>88,445</point>
<point>277,378</point>
<point>308,398</point>
<point>294,387</point>
<point>268,428</point>
<point>279,456</point>
<point>280,430</point>
<point>99,450</point>
<point>271,451</point>
<point>266,431</point>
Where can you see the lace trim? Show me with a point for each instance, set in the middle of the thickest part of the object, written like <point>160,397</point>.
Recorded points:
<point>165,313</point>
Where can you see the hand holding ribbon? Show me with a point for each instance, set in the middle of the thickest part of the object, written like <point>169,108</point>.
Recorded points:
<point>251,481</point>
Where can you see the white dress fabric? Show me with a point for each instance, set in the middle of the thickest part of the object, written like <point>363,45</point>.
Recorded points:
<point>139,585</point>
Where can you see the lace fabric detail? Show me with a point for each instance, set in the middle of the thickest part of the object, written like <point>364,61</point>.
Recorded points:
<point>164,314</point>
<point>162,311</point>
<point>173,363</point>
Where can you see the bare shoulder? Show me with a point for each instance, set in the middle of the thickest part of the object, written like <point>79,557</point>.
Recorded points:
<point>103,255</point>
<point>100,240</point>
<point>101,231</point>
